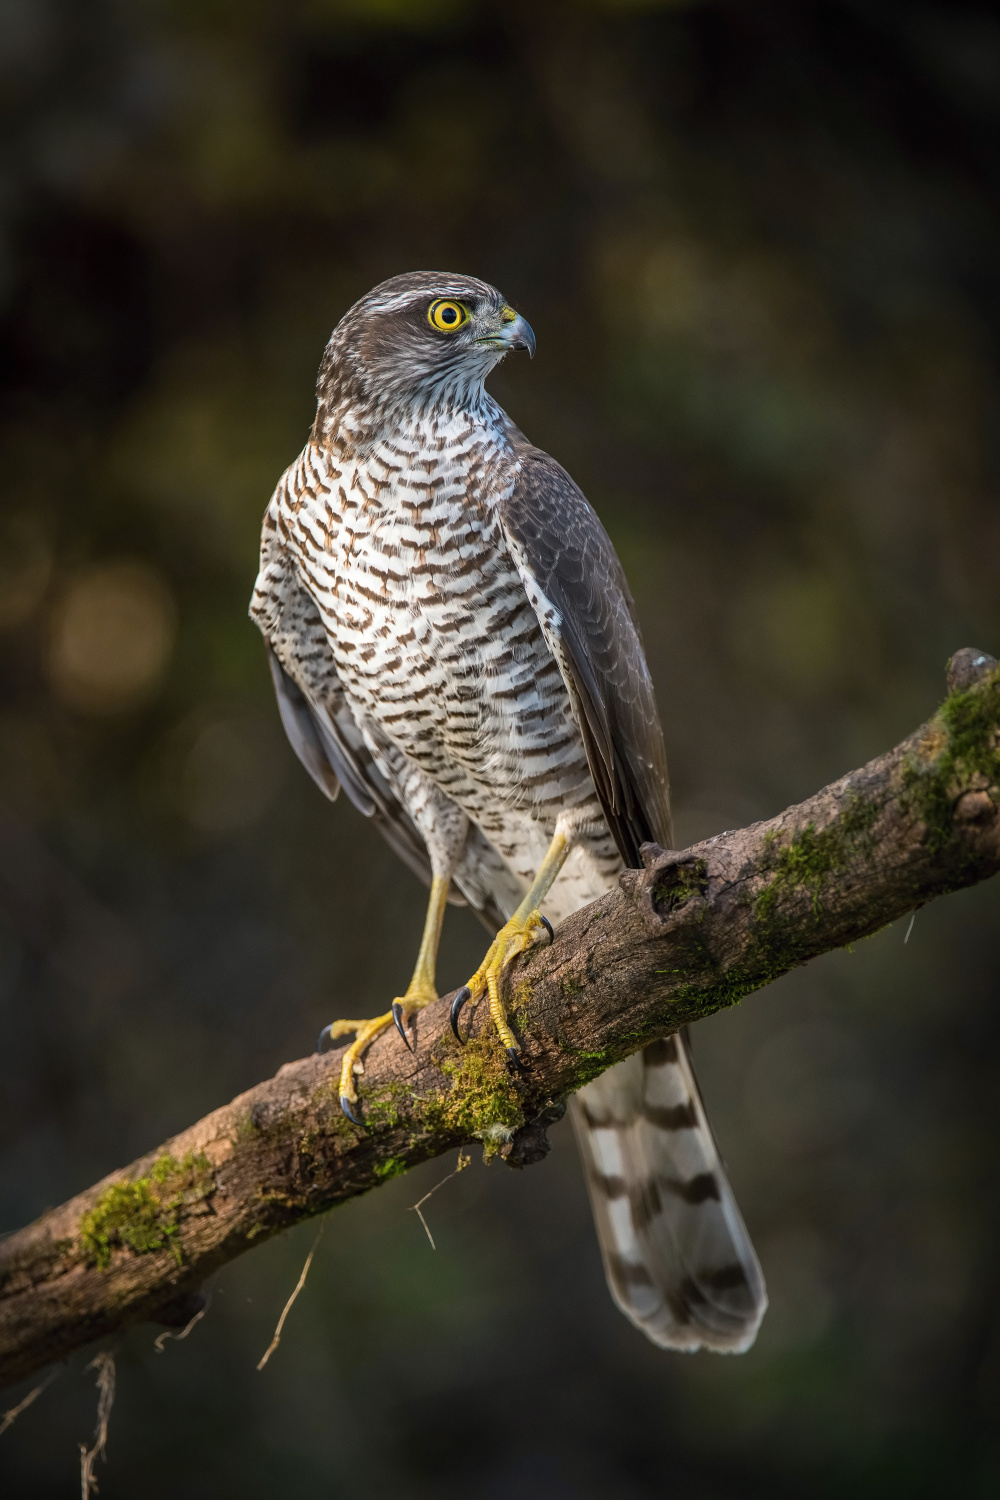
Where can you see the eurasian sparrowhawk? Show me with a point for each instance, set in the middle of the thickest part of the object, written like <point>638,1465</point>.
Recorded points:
<point>453,642</point>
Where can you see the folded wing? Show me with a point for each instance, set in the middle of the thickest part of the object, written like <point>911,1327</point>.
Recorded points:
<point>678,1258</point>
<point>577,588</point>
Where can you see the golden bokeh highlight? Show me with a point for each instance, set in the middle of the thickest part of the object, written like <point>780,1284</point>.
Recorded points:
<point>111,637</point>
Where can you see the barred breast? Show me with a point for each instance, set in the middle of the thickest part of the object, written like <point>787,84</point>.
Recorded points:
<point>433,639</point>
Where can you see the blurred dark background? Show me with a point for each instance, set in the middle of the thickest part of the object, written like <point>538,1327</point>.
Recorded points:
<point>758,244</point>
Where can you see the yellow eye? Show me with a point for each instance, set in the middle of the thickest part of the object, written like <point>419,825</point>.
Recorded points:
<point>447,316</point>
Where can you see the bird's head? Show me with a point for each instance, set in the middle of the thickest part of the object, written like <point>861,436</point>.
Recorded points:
<point>423,341</point>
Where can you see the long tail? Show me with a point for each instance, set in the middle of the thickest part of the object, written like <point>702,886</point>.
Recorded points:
<point>677,1255</point>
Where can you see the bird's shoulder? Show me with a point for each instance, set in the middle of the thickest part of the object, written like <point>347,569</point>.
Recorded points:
<point>550,518</point>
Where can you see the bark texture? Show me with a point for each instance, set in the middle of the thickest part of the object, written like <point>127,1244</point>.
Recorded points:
<point>692,933</point>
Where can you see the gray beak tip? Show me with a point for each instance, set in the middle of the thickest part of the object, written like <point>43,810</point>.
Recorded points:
<point>522,336</point>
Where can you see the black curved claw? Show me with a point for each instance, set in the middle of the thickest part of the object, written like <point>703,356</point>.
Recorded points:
<point>324,1036</point>
<point>514,1060</point>
<point>345,1105</point>
<point>462,998</point>
<point>397,1016</point>
<point>548,928</point>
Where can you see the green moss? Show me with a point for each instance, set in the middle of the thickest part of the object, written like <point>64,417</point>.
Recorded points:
<point>330,1115</point>
<point>964,743</point>
<point>521,1003</point>
<point>810,857</point>
<point>482,1102</point>
<point>129,1214</point>
<point>678,884</point>
<point>246,1129</point>
<point>145,1215</point>
<point>383,1105</point>
<point>972,720</point>
<point>594,1064</point>
<point>728,989</point>
<point>393,1167</point>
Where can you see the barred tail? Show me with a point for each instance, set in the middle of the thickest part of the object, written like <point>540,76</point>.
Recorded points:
<point>677,1255</point>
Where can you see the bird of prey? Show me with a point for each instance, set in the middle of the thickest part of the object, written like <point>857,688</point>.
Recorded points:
<point>452,641</point>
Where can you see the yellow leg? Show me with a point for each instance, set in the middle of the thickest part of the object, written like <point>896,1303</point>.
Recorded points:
<point>521,932</point>
<point>421,992</point>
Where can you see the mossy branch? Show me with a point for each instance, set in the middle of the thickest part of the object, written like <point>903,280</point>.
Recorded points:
<point>691,933</point>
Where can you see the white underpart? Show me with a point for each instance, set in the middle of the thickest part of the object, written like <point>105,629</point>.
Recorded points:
<point>437,644</point>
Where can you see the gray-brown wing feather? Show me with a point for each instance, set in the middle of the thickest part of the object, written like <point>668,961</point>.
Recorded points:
<point>677,1256</point>
<point>563,551</point>
<point>303,732</point>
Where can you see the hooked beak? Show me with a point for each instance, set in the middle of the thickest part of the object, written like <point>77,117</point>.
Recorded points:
<point>519,335</point>
<point>514,332</point>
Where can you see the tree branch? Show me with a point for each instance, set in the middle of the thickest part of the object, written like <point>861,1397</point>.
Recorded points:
<point>691,933</point>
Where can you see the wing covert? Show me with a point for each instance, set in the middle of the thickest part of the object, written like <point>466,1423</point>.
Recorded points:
<point>577,587</point>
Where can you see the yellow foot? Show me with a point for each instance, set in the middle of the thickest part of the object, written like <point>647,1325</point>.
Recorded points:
<point>416,997</point>
<point>519,934</point>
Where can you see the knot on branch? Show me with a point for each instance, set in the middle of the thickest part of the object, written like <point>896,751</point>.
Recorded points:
<point>670,891</point>
<point>975,809</point>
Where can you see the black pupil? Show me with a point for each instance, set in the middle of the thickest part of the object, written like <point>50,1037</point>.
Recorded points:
<point>449,315</point>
